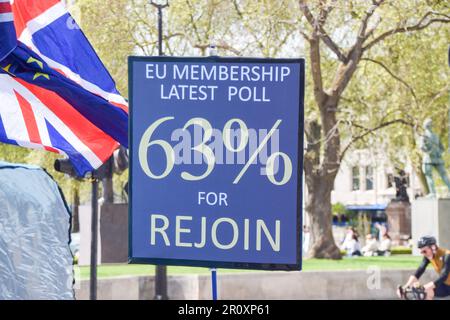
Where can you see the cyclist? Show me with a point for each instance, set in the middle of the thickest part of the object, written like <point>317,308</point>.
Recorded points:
<point>440,260</point>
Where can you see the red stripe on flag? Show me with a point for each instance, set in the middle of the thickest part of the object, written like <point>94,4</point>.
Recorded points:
<point>30,122</point>
<point>51,149</point>
<point>26,10</point>
<point>101,144</point>
<point>121,106</point>
<point>5,7</point>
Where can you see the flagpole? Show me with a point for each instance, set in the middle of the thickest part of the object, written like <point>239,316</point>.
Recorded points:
<point>94,239</point>
<point>161,271</point>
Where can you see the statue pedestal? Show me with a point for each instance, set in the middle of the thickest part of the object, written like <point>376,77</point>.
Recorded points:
<point>399,221</point>
<point>431,217</point>
<point>112,234</point>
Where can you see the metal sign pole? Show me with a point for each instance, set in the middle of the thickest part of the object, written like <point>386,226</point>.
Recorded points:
<point>94,240</point>
<point>214,283</point>
<point>161,271</point>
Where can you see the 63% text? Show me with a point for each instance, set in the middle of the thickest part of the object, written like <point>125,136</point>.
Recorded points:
<point>146,142</point>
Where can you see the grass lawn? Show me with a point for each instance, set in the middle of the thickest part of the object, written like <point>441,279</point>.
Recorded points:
<point>360,263</point>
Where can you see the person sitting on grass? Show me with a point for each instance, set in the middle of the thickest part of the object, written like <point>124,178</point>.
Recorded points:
<point>440,260</point>
<point>385,245</point>
<point>351,244</point>
<point>371,246</point>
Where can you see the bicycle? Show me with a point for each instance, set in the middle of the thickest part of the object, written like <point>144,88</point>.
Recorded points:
<point>412,293</point>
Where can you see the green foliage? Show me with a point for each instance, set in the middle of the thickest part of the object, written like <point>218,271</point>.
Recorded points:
<point>401,250</point>
<point>339,209</point>
<point>410,84</point>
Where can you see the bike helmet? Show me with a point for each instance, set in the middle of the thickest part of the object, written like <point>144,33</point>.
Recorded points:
<point>426,241</point>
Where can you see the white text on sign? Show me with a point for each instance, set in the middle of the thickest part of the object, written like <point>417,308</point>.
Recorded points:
<point>217,74</point>
<point>208,154</point>
<point>162,231</point>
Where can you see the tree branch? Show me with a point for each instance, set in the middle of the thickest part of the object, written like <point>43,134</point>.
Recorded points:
<point>193,22</point>
<point>416,27</point>
<point>365,21</point>
<point>348,66</point>
<point>395,77</point>
<point>316,70</point>
<point>332,45</point>
<point>437,96</point>
<point>371,131</point>
<point>319,31</point>
<point>246,25</point>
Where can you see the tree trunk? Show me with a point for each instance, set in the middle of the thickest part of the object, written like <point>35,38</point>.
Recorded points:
<point>322,160</point>
<point>318,207</point>
<point>108,190</point>
<point>75,210</point>
<point>319,177</point>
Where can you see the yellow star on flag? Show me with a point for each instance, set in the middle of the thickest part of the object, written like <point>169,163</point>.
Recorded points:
<point>7,69</point>
<point>40,74</point>
<point>39,63</point>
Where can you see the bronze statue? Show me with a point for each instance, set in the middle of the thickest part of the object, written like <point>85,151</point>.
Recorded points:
<point>401,186</point>
<point>432,157</point>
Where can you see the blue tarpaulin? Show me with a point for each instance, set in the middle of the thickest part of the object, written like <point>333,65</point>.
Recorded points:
<point>35,258</point>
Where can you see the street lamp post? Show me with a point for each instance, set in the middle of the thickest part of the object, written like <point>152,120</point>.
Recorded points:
<point>160,5</point>
<point>161,271</point>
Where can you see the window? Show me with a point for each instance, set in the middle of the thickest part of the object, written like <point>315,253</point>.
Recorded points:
<point>355,179</point>
<point>369,178</point>
<point>390,180</point>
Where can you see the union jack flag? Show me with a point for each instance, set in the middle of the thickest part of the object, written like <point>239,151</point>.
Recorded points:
<point>55,93</point>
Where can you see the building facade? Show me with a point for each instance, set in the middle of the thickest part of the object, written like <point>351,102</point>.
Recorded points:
<point>366,179</point>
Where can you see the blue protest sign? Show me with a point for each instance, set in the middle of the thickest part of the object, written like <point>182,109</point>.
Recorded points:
<point>216,153</point>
